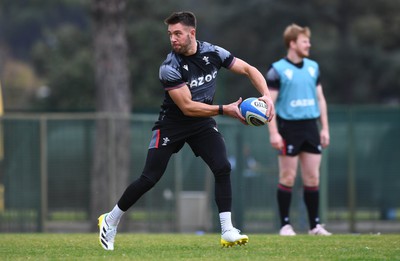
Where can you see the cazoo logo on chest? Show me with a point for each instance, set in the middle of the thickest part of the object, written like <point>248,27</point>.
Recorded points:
<point>203,79</point>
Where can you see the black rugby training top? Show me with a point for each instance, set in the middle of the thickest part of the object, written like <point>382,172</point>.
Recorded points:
<point>198,71</point>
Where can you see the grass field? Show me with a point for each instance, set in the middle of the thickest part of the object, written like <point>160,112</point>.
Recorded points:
<point>198,247</point>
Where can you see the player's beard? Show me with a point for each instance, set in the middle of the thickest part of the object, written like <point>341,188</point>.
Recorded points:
<point>183,48</point>
<point>303,53</point>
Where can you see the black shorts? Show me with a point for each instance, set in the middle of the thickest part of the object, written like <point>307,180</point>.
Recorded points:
<point>175,136</point>
<point>298,136</point>
<point>203,138</point>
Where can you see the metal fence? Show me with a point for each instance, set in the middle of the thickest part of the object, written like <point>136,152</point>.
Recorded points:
<point>47,159</point>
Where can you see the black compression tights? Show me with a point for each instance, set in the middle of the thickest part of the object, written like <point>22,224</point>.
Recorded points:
<point>134,191</point>
<point>211,148</point>
<point>223,192</point>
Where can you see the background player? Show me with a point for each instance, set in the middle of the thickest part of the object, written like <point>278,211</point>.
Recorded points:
<point>296,89</point>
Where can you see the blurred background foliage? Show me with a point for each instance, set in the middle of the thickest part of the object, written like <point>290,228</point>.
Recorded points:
<point>46,55</point>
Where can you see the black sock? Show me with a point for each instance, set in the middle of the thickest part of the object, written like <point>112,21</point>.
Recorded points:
<point>311,199</point>
<point>284,195</point>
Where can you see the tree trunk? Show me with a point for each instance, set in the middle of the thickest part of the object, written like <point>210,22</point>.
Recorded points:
<point>111,162</point>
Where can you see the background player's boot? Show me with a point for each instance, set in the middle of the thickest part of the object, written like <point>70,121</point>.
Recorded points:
<point>319,230</point>
<point>287,230</point>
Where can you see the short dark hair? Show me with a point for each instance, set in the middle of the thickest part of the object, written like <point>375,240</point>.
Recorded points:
<point>186,18</point>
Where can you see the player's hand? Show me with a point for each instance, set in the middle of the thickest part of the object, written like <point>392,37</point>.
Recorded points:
<point>276,140</point>
<point>233,111</point>
<point>324,136</point>
<point>270,113</point>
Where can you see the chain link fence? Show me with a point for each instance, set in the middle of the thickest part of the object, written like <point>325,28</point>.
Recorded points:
<point>47,159</point>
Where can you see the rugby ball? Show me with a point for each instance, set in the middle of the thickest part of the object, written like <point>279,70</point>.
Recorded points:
<point>253,110</point>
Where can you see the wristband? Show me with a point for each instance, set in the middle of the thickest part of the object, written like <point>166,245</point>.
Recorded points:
<point>220,110</point>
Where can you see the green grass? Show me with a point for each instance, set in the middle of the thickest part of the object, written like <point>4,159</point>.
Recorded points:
<point>195,247</point>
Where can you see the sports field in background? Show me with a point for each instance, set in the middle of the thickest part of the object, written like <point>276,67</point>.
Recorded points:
<point>198,247</point>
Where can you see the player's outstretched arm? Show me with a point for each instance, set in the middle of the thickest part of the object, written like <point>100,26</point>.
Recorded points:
<point>258,81</point>
<point>183,99</point>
